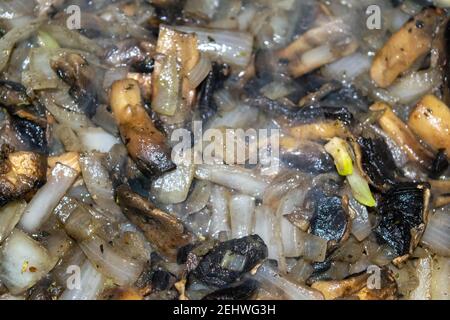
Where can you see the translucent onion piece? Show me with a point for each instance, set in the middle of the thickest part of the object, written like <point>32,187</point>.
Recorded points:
<point>173,187</point>
<point>437,233</point>
<point>110,262</point>
<point>242,209</point>
<point>440,279</point>
<point>23,262</point>
<point>10,215</point>
<point>291,290</point>
<point>15,35</point>
<point>348,67</point>
<point>40,75</point>
<point>229,46</point>
<point>361,227</point>
<point>338,149</point>
<point>167,84</point>
<point>47,198</point>
<point>423,271</point>
<point>199,197</point>
<point>91,284</point>
<point>96,139</point>
<point>199,72</point>
<point>99,185</point>
<point>360,189</point>
<point>243,180</point>
<point>264,227</point>
<point>220,220</point>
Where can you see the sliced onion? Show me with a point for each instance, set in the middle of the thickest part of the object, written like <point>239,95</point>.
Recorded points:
<point>360,189</point>
<point>23,262</point>
<point>91,284</point>
<point>199,72</point>
<point>423,271</point>
<point>440,280</point>
<point>291,290</point>
<point>74,120</point>
<point>15,35</point>
<point>348,67</point>
<point>228,46</point>
<point>202,8</point>
<point>290,236</point>
<point>276,90</point>
<point>233,177</point>
<point>40,75</point>
<point>361,227</point>
<point>437,233</point>
<point>199,197</point>
<point>314,248</point>
<point>264,227</point>
<point>220,219</point>
<point>173,187</point>
<point>111,263</point>
<point>99,185</point>
<point>242,208</point>
<point>167,86</point>
<point>224,100</point>
<point>96,139</point>
<point>10,215</point>
<point>411,87</point>
<point>72,39</point>
<point>47,198</point>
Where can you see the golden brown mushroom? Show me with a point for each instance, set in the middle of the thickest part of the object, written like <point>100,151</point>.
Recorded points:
<point>399,132</point>
<point>360,287</point>
<point>430,120</point>
<point>163,230</point>
<point>145,143</point>
<point>20,174</point>
<point>405,46</point>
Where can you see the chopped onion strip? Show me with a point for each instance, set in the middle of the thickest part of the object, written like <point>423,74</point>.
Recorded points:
<point>122,269</point>
<point>360,189</point>
<point>229,46</point>
<point>91,284</point>
<point>437,234</point>
<point>47,198</point>
<point>338,149</point>
<point>199,72</point>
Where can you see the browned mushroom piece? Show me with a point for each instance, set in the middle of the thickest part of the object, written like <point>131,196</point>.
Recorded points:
<point>21,173</point>
<point>402,135</point>
<point>430,120</point>
<point>405,46</point>
<point>145,143</point>
<point>380,285</point>
<point>164,231</point>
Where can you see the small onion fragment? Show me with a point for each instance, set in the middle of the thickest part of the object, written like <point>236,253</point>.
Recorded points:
<point>292,291</point>
<point>10,215</point>
<point>437,234</point>
<point>242,208</point>
<point>229,46</point>
<point>199,72</point>
<point>91,284</point>
<point>98,183</point>
<point>47,198</point>
<point>23,262</point>
<point>112,263</point>
<point>234,177</point>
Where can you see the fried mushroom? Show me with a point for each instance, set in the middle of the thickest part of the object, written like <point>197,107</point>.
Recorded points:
<point>164,231</point>
<point>21,173</point>
<point>145,143</point>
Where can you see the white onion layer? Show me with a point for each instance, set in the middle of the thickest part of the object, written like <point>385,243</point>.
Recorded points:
<point>47,198</point>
